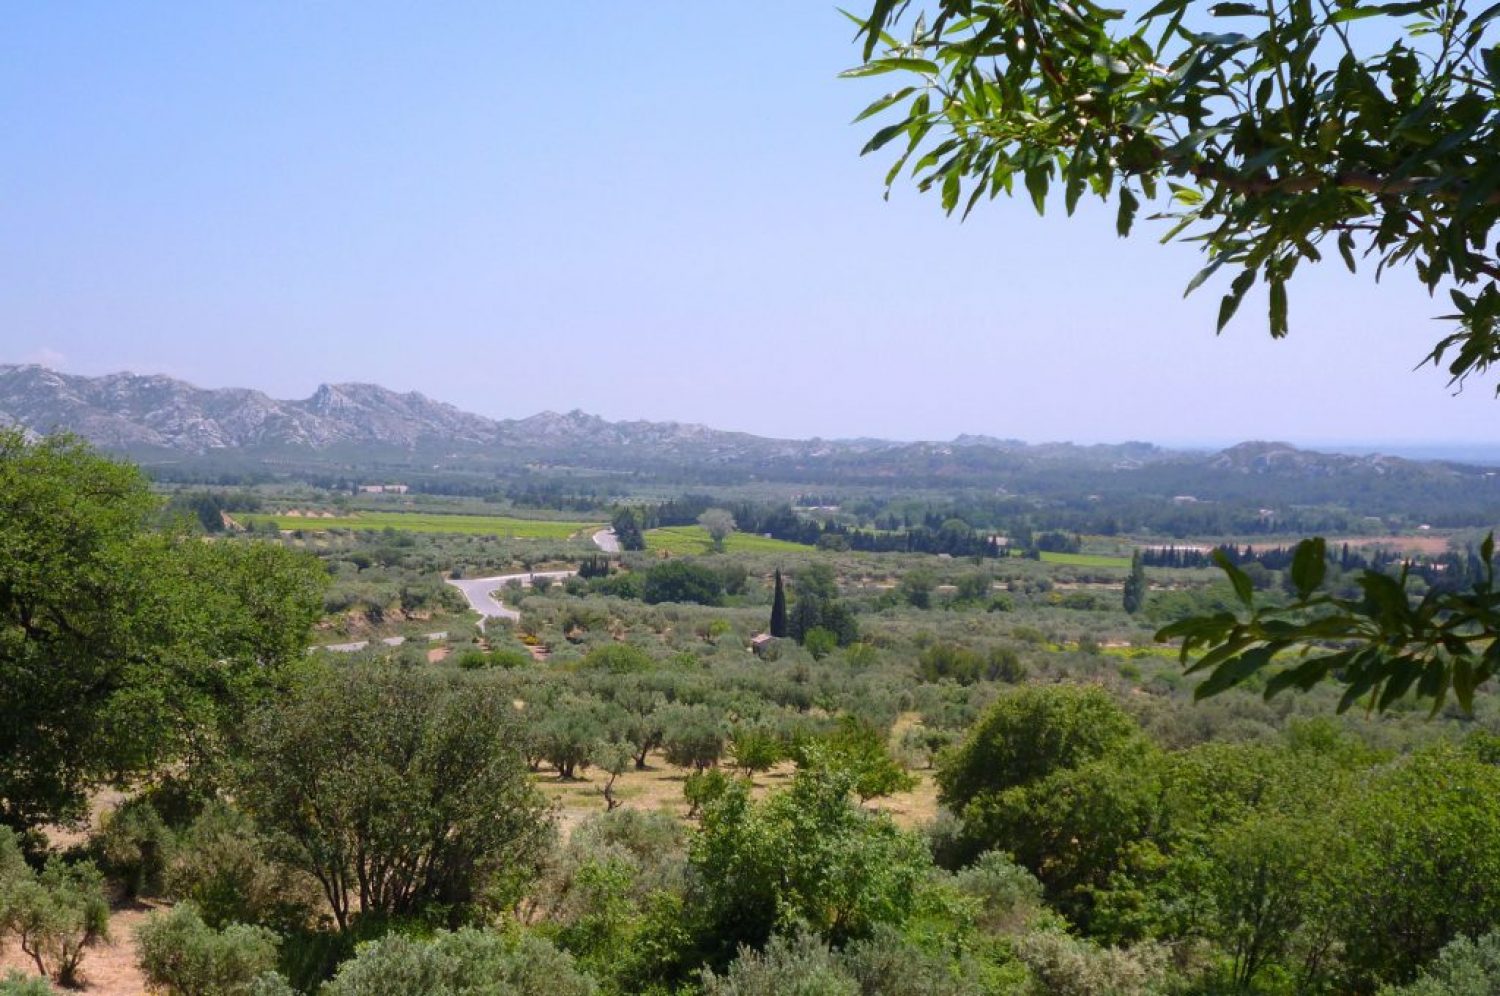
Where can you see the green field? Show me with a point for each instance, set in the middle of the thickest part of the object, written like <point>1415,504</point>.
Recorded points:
<point>1085,560</point>
<point>419,522</point>
<point>694,539</point>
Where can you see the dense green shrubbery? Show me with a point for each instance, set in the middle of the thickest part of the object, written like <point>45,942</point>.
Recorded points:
<point>467,961</point>
<point>13,983</point>
<point>223,866</point>
<point>1463,968</point>
<point>182,956</point>
<point>134,847</point>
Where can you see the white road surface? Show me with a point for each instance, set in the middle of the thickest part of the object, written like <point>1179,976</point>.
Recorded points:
<point>480,592</point>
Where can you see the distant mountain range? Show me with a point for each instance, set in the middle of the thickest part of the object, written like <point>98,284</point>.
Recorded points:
<point>354,427</point>
<point>134,412</point>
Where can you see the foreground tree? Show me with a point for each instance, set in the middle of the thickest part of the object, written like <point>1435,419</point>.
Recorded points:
<point>805,855</point>
<point>1264,132</point>
<point>55,915</point>
<point>398,791</point>
<point>123,649</point>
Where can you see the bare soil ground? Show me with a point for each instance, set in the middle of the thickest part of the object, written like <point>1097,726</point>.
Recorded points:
<point>659,788</point>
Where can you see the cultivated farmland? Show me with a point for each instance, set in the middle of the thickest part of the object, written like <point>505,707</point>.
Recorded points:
<point>422,522</point>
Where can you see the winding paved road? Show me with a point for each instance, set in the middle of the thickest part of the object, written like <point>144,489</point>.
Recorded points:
<point>479,592</point>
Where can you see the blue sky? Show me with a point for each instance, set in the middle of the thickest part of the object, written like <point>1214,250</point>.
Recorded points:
<point>647,210</point>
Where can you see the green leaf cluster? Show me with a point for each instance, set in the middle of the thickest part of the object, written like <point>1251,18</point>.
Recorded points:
<point>1267,134</point>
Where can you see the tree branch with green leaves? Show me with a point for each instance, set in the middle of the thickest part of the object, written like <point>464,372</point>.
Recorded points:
<point>1383,646</point>
<point>1266,132</point>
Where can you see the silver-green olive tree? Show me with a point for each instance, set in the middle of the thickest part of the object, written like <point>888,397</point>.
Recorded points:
<point>1269,134</point>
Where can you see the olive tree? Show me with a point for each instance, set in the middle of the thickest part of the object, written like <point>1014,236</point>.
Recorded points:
<point>55,915</point>
<point>397,791</point>
<point>718,523</point>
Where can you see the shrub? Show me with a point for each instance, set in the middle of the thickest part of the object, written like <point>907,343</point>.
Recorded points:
<point>890,965</point>
<point>617,658</point>
<point>957,663</point>
<point>648,843</point>
<point>702,787</point>
<point>755,748</point>
<point>1417,850</point>
<point>862,749</point>
<point>1067,966</point>
<point>133,847</point>
<point>629,586</point>
<point>804,854</point>
<point>801,966</point>
<point>222,868</point>
<point>1463,968</point>
<point>15,984</point>
<point>1008,894</point>
<point>692,736</point>
<point>820,642</point>
<point>683,581</point>
<point>183,956</point>
<point>1029,733</point>
<point>468,961</point>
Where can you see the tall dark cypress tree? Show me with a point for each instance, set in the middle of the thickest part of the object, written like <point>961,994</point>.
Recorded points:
<point>1135,585</point>
<point>778,608</point>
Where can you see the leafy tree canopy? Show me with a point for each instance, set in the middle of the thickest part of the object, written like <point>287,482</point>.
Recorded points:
<point>399,792</point>
<point>123,649</point>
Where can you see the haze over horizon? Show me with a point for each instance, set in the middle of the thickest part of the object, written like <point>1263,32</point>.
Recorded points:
<point>656,214</point>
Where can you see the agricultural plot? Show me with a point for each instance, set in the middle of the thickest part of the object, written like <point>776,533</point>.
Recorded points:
<point>1085,560</point>
<point>420,522</point>
<point>679,540</point>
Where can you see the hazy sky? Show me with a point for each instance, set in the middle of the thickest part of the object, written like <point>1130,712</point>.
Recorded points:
<point>647,210</point>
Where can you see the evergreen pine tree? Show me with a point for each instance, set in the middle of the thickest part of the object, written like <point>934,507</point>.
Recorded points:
<point>778,608</point>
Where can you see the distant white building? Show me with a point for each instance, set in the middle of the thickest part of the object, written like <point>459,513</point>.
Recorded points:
<point>384,489</point>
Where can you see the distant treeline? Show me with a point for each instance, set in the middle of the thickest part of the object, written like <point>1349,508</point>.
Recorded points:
<point>1445,571</point>
<point>932,533</point>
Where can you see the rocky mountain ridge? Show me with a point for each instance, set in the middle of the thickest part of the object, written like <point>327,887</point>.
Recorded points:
<point>136,413</point>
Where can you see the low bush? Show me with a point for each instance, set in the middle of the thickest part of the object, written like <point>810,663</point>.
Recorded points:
<point>182,956</point>
<point>466,961</point>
